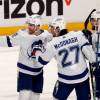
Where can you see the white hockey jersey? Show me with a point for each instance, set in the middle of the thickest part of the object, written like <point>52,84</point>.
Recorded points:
<point>70,52</point>
<point>26,42</point>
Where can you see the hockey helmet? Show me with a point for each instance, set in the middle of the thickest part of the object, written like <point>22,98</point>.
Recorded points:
<point>96,15</point>
<point>34,19</point>
<point>58,23</point>
<point>95,20</point>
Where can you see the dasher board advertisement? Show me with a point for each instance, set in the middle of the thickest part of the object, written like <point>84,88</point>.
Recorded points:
<point>14,12</point>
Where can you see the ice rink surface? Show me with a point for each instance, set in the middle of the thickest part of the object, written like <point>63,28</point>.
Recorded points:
<point>8,76</point>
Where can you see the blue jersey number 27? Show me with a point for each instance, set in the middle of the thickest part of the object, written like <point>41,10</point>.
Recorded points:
<point>65,52</point>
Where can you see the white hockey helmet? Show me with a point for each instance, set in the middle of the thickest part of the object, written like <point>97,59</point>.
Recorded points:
<point>58,22</point>
<point>34,19</point>
<point>96,14</point>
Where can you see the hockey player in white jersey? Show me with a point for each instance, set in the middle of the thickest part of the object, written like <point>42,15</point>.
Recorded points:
<point>55,30</point>
<point>30,75</point>
<point>96,45</point>
<point>70,52</point>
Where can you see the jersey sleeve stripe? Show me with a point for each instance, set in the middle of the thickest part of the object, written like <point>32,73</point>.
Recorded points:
<point>22,66</point>
<point>85,44</point>
<point>66,77</point>
<point>43,62</point>
<point>8,41</point>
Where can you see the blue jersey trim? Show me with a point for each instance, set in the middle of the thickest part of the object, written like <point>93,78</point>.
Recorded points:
<point>42,61</point>
<point>66,77</point>
<point>85,44</point>
<point>28,68</point>
<point>8,41</point>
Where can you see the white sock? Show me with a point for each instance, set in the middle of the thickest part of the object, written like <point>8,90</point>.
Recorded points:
<point>25,95</point>
<point>35,96</point>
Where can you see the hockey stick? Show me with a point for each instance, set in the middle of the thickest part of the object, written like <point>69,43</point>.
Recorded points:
<point>87,20</point>
<point>92,82</point>
<point>91,69</point>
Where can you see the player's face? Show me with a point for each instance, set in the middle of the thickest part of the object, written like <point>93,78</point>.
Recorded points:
<point>92,21</point>
<point>33,28</point>
<point>52,30</point>
<point>37,27</point>
<point>57,30</point>
<point>95,22</point>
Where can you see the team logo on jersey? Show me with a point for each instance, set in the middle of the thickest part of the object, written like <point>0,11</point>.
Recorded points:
<point>36,46</point>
